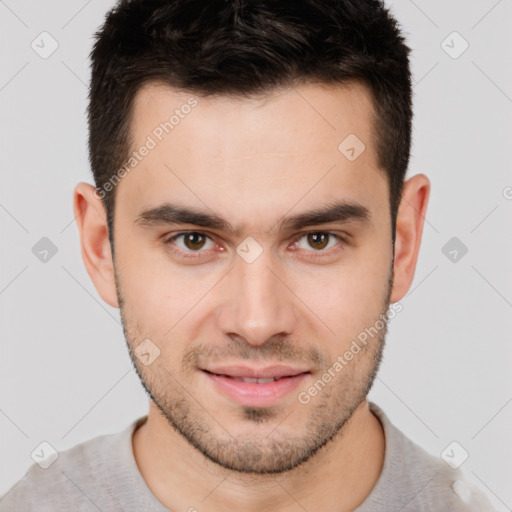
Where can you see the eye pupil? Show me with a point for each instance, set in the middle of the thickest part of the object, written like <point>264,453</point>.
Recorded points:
<point>314,238</point>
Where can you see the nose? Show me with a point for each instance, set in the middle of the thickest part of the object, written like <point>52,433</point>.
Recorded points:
<point>259,304</point>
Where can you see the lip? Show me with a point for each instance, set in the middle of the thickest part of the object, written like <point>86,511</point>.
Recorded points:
<point>256,394</point>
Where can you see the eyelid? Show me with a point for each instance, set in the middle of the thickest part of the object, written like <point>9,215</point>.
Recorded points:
<point>341,237</point>
<point>167,240</point>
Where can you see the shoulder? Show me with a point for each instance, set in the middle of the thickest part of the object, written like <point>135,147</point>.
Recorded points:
<point>419,481</point>
<point>71,482</point>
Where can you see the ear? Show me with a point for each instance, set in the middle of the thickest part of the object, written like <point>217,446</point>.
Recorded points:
<point>91,219</point>
<point>409,228</point>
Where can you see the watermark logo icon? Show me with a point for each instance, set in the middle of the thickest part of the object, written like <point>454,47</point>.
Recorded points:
<point>454,45</point>
<point>454,455</point>
<point>44,250</point>
<point>45,45</point>
<point>44,455</point>
<point>351,147</point>
<point>454,249</point>
<point>249,250</point>
<point>147,352</point>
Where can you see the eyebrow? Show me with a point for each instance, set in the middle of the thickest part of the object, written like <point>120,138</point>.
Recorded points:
<point>168,213</point>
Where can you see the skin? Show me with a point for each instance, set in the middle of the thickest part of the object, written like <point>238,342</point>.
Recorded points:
<point>254,162</point>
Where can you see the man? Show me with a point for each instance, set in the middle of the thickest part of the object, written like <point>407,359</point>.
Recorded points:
<point>252,222</point>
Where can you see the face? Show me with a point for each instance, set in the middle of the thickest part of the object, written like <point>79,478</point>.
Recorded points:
<point>252,253</point>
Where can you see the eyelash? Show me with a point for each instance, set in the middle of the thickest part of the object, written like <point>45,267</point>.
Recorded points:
<point>197,254</point>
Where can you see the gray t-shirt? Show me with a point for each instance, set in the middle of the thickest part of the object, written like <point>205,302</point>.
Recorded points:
<point>101,475</point>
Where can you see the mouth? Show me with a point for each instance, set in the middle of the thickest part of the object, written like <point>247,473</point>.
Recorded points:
<point>259,380</point>
<point>257,387</point>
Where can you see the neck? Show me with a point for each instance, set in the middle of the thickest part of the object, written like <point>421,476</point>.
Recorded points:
<point>338,477</point>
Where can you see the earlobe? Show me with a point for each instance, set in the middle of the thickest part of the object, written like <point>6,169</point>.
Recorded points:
<point>409,230</point>
<point>91,219</point>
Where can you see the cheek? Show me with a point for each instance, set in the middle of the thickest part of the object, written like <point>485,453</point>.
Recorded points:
<point>349,297</point>
<point>163,300</point>
<point>151,288</point>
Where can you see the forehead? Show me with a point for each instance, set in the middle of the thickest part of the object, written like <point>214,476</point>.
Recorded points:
<point>283,119</point>
<point>253,153</point>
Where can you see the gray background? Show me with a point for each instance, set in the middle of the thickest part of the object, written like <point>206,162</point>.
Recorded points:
<point>65,373</point>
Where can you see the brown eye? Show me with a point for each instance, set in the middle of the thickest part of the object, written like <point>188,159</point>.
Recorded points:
<point>193,241</point>
<point>318,240</point>
<point>320,244</point>
<point>190,242</point>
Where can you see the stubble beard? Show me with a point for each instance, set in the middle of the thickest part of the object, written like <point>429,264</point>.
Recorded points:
<point>279,451</point>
